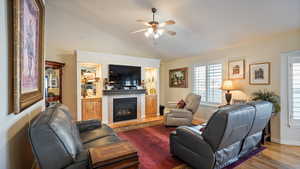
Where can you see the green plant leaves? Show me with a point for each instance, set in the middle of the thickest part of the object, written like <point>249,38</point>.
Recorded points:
<point>268,96</point>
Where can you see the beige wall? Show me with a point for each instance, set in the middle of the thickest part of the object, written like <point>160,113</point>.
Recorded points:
<point>15,150</point>
<point>267,49</point>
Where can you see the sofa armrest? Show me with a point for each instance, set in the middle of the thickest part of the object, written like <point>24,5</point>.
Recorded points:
<point>172,104</point>
<point>192,139</point>
<point>180,113</point>
<point>88,125</point>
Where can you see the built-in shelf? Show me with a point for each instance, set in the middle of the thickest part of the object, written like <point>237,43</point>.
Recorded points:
<point>123,92</point>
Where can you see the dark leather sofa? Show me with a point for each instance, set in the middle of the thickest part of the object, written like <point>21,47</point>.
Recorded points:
<point>58,142</point>
<point>231,133</point>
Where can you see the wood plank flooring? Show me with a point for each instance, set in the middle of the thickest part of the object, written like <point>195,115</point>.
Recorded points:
<point>130,125</point>
<point>275,156</point>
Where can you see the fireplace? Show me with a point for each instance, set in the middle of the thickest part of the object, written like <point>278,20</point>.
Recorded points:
<point>124,109</point>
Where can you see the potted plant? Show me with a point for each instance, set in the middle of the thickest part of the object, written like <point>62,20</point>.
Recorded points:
<point>268,96</point>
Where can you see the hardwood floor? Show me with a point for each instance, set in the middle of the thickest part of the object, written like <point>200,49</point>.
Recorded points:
<point>124,126</point>
<point>275,156</point>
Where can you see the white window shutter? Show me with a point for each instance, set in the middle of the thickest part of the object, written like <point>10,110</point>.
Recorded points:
<point>207,81</point>
<point>295,94</point>
<point>199,81</point>
<point>294,90</point>
<point>214,77</point>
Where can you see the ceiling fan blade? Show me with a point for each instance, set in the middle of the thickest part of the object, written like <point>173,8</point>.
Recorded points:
<point>143,22</point>
<point>172,33</point>
<point>168,22</point>
<point>140,30</point>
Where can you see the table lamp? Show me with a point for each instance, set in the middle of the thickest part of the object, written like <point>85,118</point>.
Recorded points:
<point>227,85</point>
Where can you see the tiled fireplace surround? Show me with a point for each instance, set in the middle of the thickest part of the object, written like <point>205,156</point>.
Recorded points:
<point>108,106</point>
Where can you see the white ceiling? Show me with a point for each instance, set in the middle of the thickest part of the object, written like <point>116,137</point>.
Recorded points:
<point>202,25</point>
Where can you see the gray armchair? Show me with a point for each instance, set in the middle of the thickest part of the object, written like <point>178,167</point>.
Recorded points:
<point>180,117</point>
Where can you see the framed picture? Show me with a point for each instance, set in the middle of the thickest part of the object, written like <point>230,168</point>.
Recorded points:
<point>54,83</point>
<point>178,78</point>
<point>236,69</point>
<point>28,52</point>
<point>260,73</point>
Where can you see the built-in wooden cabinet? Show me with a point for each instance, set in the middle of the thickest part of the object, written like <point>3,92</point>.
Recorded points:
<point>91,108</point>
<point>91,91</point>
<point>151,84</point>
<point>151,105</point>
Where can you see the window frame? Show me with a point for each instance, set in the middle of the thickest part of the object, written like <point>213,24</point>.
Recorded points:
<point>291,60</point>
<point>206,103</point>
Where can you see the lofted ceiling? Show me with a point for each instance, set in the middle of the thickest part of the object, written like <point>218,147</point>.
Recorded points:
<point>202,25</point>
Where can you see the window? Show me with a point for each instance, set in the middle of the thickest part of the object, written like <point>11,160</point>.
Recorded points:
<point>207,81</point>
<point>294,89</point>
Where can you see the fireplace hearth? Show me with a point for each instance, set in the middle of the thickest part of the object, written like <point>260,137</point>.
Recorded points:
<point>124,109</point>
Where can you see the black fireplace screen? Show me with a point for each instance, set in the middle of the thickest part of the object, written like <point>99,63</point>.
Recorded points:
<point>125,109</point>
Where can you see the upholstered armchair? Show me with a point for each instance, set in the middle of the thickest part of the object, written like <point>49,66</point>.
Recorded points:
<point>180,117</point>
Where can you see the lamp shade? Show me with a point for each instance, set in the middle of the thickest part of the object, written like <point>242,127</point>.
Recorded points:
<point>227,85</point>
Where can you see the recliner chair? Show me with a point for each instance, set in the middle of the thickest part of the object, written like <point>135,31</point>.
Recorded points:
<point>180,117</point>
<point>231,132</point>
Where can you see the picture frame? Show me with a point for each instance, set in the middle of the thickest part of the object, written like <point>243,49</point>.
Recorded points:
<point>28,20</point>
<point>236,69</point>
<point>178,78</point>
<point>260,73</point>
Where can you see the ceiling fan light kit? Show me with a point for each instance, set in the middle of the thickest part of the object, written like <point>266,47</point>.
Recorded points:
<point>154,28</point>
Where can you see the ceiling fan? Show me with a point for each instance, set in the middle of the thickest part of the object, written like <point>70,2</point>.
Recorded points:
<point>154,28</point>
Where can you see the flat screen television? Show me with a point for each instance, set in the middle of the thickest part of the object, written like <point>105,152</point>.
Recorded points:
<point>124,76</point>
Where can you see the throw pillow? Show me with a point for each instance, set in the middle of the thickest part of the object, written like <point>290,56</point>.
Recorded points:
<point>180,104</point>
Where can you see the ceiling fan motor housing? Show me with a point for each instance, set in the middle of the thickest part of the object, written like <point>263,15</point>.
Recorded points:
<point>153,23</point>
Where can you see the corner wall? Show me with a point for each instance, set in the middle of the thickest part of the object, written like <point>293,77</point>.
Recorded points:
<point>263,50</point>
<point>15,150</point>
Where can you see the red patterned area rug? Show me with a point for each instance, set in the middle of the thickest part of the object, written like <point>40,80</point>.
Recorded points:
<point>153,148</point>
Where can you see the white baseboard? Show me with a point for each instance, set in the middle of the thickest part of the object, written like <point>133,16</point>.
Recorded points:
<point>275,140</point>
<point>290,142</point>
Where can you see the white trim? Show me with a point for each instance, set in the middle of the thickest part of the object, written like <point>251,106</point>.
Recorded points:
<point>288,134</point>
<point>275,140</point>
<point>283,93</point>
<point>293,57</point>
<point>290,142</point>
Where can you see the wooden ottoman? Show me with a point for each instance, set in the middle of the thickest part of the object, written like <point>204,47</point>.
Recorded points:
<point>121,155</point>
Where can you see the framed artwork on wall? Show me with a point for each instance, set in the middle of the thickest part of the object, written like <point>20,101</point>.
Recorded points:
<point>236,69</point>
<point>28,52</point>
<point>259,73</point>
<point>178,78</point>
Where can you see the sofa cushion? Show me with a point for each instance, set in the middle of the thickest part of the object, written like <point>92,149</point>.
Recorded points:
<point>180,113</point>
<point>263,114</point>
<point>91,135</point>
<point>65,131</point>
<point>74,128</point>
<point>228,126</point>
<point>102,141</point>
<point>180,104</point>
